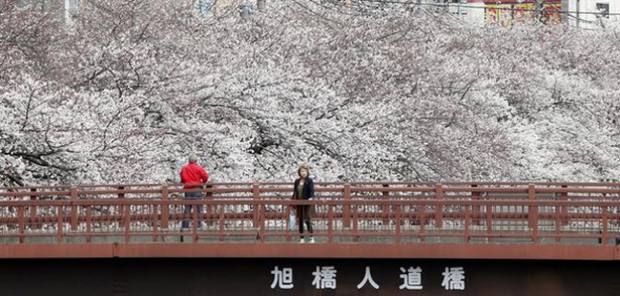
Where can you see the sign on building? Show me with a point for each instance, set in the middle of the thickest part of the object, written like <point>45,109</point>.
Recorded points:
<point>510,12</point>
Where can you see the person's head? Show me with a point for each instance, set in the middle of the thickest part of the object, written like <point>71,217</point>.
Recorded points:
<point>303,171</point>
<point>192,158</point>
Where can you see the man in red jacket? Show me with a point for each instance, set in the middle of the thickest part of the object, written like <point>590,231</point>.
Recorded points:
<point>192,176</point>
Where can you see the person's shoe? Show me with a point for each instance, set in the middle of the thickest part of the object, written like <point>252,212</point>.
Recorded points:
<point>312,240</point>
<point>301,241</point>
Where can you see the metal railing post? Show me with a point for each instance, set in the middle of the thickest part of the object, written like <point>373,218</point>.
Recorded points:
<point>605,230</point>
<point>346,206</point>
<point>422,217</point>
<point>466,233</point>
<point>74,208</point>
<point>385,207</point>
<point>330,224</point>
<point>59,222</point>
<point>194,207</point>
<point>122,207</point>
<point>262,222</point>
<point>155,223</point>
<point>397,223</point>
<point>256,197</point>
<point>33,211</point>
<point>564,197</point>
<point>222,222</point>
<point>557,221</point>
<point>165,206</point>
<point>88,224</point>
<point>439,207</point>
<point>126,221</point>
<point>533,212</point>
<point>489,217</point>
<point>22,223</point>
<point>475,196</point>
<point>210,210</point>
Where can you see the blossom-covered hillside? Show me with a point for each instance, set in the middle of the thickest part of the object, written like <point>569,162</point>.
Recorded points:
<point>130,88</point>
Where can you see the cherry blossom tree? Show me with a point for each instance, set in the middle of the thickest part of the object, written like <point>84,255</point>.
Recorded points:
<point>127,89</point>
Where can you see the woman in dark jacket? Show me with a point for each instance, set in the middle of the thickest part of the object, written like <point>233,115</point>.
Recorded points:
<point>304,190</point>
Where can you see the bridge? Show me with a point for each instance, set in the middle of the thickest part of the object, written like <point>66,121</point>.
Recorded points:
<point>559,221</point>
<point>511,239</point>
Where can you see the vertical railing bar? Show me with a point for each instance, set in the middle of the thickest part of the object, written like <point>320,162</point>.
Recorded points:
<point>439,208</point>
<point>422,217</point>
<point>330,218</point>
<point>355,220</point>
<point>256,197</point>
<point>533,212</point>
<point>262,219</point>
<point>121,196</point>
<point>165,206</point>
<point>605,227</point>
<point>59,223</point>
<point>564,197</point>
<point>74,208</point>
<point>397,225</point>
<point>88,224</point>
<point>209,208</point>
<point>22,222</point>
<point>126,221</point>
<point>385,207</point>
<point>346,209</point>
<point>222,212</point>
<point>489,212</point>
<point>475,196</point>
<point>155,215</point>
<point>558,222</point>
<point>467,208</point>
<point>194,211</point>
<point>33,211</point>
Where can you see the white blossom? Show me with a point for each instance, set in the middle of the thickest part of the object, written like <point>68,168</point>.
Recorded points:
<point>364,93</point>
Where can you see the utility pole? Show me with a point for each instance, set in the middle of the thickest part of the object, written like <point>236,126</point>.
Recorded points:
<point>578,6</point>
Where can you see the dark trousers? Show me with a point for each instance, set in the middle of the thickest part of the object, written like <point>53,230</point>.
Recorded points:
<point>303,213</point>
<point>188,209</point>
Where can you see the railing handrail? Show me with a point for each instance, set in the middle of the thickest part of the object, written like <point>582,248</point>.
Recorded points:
<point>386,188</point>
<point>326,183</point>
<point>286,202</point>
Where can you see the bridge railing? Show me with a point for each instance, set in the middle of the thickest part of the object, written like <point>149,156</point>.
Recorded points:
<point>399,213</point>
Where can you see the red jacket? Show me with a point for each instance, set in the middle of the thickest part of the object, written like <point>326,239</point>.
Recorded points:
<point>193,173</point>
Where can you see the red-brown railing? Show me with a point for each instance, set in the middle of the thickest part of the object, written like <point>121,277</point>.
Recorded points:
<point>399,213</point>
